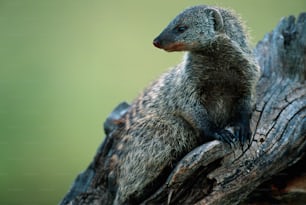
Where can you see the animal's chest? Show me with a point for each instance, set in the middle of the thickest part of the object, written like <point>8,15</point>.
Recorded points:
<point>220,93</point>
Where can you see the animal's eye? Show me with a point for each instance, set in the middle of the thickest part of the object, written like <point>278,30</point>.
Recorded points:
<point>181,29</point>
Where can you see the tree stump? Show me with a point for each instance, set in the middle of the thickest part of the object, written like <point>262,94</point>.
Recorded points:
<point>271,170</point>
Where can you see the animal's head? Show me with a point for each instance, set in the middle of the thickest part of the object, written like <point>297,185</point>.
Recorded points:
<point>195,28</point>
<point>191,30</point>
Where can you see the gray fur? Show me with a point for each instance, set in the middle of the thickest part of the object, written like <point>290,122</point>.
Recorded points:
<point>188,105</point>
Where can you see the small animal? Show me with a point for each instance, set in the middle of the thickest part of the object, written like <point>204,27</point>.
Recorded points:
<point>194,102</point>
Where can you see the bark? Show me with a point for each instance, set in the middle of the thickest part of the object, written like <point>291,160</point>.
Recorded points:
<point>269,171</point>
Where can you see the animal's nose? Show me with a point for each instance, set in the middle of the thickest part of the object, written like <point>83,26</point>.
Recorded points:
<point>157,43</point>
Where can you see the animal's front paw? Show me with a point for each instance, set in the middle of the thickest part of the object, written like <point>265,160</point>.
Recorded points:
<point>242,132</point>
<point>225,136</point>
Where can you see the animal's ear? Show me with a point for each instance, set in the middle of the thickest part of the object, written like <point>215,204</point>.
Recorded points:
<point>217,18</point>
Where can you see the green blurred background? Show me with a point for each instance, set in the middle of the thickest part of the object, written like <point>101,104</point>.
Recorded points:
<point>64,65</point>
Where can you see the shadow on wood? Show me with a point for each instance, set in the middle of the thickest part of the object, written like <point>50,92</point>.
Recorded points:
<point>270,171</point>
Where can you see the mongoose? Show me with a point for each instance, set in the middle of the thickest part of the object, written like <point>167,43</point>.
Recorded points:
<point>211,89</point>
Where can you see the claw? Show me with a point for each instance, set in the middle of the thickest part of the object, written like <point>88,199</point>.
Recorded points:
<point>225,136</point>
<point>242,133</point>
<point>169,196</point>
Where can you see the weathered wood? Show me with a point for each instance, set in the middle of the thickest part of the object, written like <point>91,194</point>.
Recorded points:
<point>216,174</point>
<point>286,187</point>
